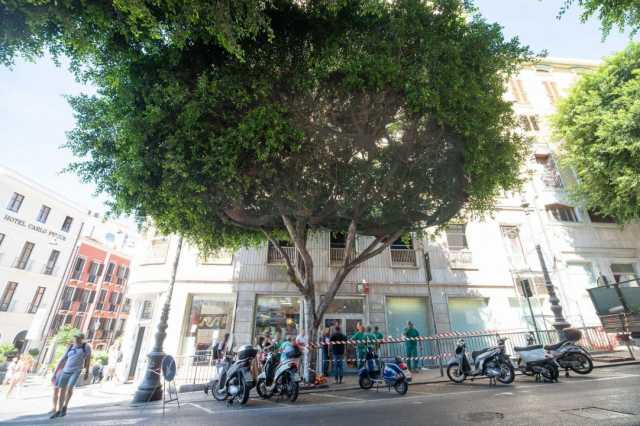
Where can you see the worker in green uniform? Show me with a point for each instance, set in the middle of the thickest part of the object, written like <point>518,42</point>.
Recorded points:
<point>377,336</point>
<point>411,346</point>
<point>361,348</point>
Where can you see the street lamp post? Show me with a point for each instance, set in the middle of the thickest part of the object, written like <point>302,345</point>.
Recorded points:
<point>559,323</point>
<point>150,388</point>
<point>428,277</point>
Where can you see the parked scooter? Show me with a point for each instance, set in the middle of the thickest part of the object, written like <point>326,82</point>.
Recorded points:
<point>532,360</point>
<point>389,372</point>
<point>490,362</point>
<point>233,379</point>
<point>571,356</point>
<point>280,375</point>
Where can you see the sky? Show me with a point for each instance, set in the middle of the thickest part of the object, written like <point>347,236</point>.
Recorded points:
<point>34,115</point>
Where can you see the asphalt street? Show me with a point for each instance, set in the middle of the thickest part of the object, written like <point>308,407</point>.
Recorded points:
<point>609,396</point>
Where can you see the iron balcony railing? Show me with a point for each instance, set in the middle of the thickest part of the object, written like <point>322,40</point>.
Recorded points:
<point>337,255</point>
<point>403,257</point>
<point>275,258</point>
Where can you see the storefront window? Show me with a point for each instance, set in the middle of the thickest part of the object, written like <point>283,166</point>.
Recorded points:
<point>469,314</point>
<point>346,306</point>
<point>277,313</point>
<point>208,321</point>
<point>403,309</point>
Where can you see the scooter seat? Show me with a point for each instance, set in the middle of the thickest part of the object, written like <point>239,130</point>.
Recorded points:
<point>526,348</point>
<point>556,346</point>
<point>474,354</point>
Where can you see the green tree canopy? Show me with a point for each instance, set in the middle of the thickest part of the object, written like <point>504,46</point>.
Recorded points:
<point>600,125</point>
<point>362,116</point>
<point>618,14</point>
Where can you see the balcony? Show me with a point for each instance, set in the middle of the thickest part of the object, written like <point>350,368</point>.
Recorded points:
<point>336,256</point>
<point>275,258</point>
<point>403,257</point>
<point>25,265</point>
<point>460,259</point>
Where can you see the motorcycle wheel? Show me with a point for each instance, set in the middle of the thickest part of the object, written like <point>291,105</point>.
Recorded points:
<point>292,388</point>
<point>586,365</point>
<point>365,382</point>
<point>261,388</point>
<point>454,373</point>
<point>548,372</point>
<point>218,394</point>
<point>243,392</point>
<point>508,374</point>
<point>401,387</point>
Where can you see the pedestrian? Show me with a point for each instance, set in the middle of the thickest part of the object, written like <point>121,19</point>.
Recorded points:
<point>220,348</point>
<point>76,359</point>
<point>411,346</point>
<point>361,348</point>
<point>115,356</point>
<point>324,340</point>
<point>12,368</point>
<point>20,373</point>
<point>337,351</point>
<point>96,373</point>
<point>277,341</point>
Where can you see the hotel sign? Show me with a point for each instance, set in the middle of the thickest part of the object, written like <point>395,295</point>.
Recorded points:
<point>34,227</point>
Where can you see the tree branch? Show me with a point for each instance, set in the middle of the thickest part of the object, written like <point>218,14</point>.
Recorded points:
<point>292,271</point>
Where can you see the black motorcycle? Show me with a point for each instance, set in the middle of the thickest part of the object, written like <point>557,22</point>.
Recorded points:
<point>233,379</point>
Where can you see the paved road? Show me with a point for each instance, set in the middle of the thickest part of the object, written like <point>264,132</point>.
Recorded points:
<point>609,396</point>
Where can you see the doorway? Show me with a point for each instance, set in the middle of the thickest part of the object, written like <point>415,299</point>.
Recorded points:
<point>136,354</point>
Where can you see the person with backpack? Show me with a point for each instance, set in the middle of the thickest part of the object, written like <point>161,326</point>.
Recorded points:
<point>76,359</point>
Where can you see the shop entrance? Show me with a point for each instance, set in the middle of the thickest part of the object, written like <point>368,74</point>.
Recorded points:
<point>347,313</point>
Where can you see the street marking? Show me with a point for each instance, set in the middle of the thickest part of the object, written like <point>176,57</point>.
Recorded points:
<point>201,407</point>
<point>504,393</point>
<point>328,395</point>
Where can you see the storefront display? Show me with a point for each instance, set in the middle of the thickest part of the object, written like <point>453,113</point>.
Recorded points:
<point>403,309</point>
<point>277,314</point>
<point>208,321</point>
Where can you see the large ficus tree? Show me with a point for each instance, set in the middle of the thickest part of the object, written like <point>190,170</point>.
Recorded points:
<point>365,117</point>
<point>599,123</point>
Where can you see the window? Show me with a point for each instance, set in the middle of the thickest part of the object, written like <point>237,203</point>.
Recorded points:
<point>600,218</point>
<point>66,225</point>
<point>402,253</point>
<point>108,276</point>
<point>513,246</point>
<point>43,214</point>
<point>517,90</point>
<point>37,299</point>
<point>51,263</point>
<point>277,313</point>
<point>123,273</point>
<point>562,213</point>
<point>113,298</point>
<point>103,295</point>
<point>15,202</point>
<point>1,238</point>
<point>550,176</point>
<point>77,321</point>
<point>77,269</point>
<point>469,314</point>
<point>158,249</point>
<point>337,246</point>
<point>77,296</point>
<point>7,296</point>
<point>529,122</point>
<point>552,91</point>
<point>93,272</point>
<point>92,296</point>
<point>457,236</point>
<point>624,272</point>
<point>274,256</point>
<point>147,310</point>
<point>23,260</point>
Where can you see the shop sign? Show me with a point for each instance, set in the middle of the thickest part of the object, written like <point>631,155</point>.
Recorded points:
<point>34,227</point>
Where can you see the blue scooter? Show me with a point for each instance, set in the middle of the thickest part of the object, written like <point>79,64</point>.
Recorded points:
<point>391,372</point>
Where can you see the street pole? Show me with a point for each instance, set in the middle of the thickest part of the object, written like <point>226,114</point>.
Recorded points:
<point>559,322</point>
<point>150,389</point>
<point>427,273</point>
